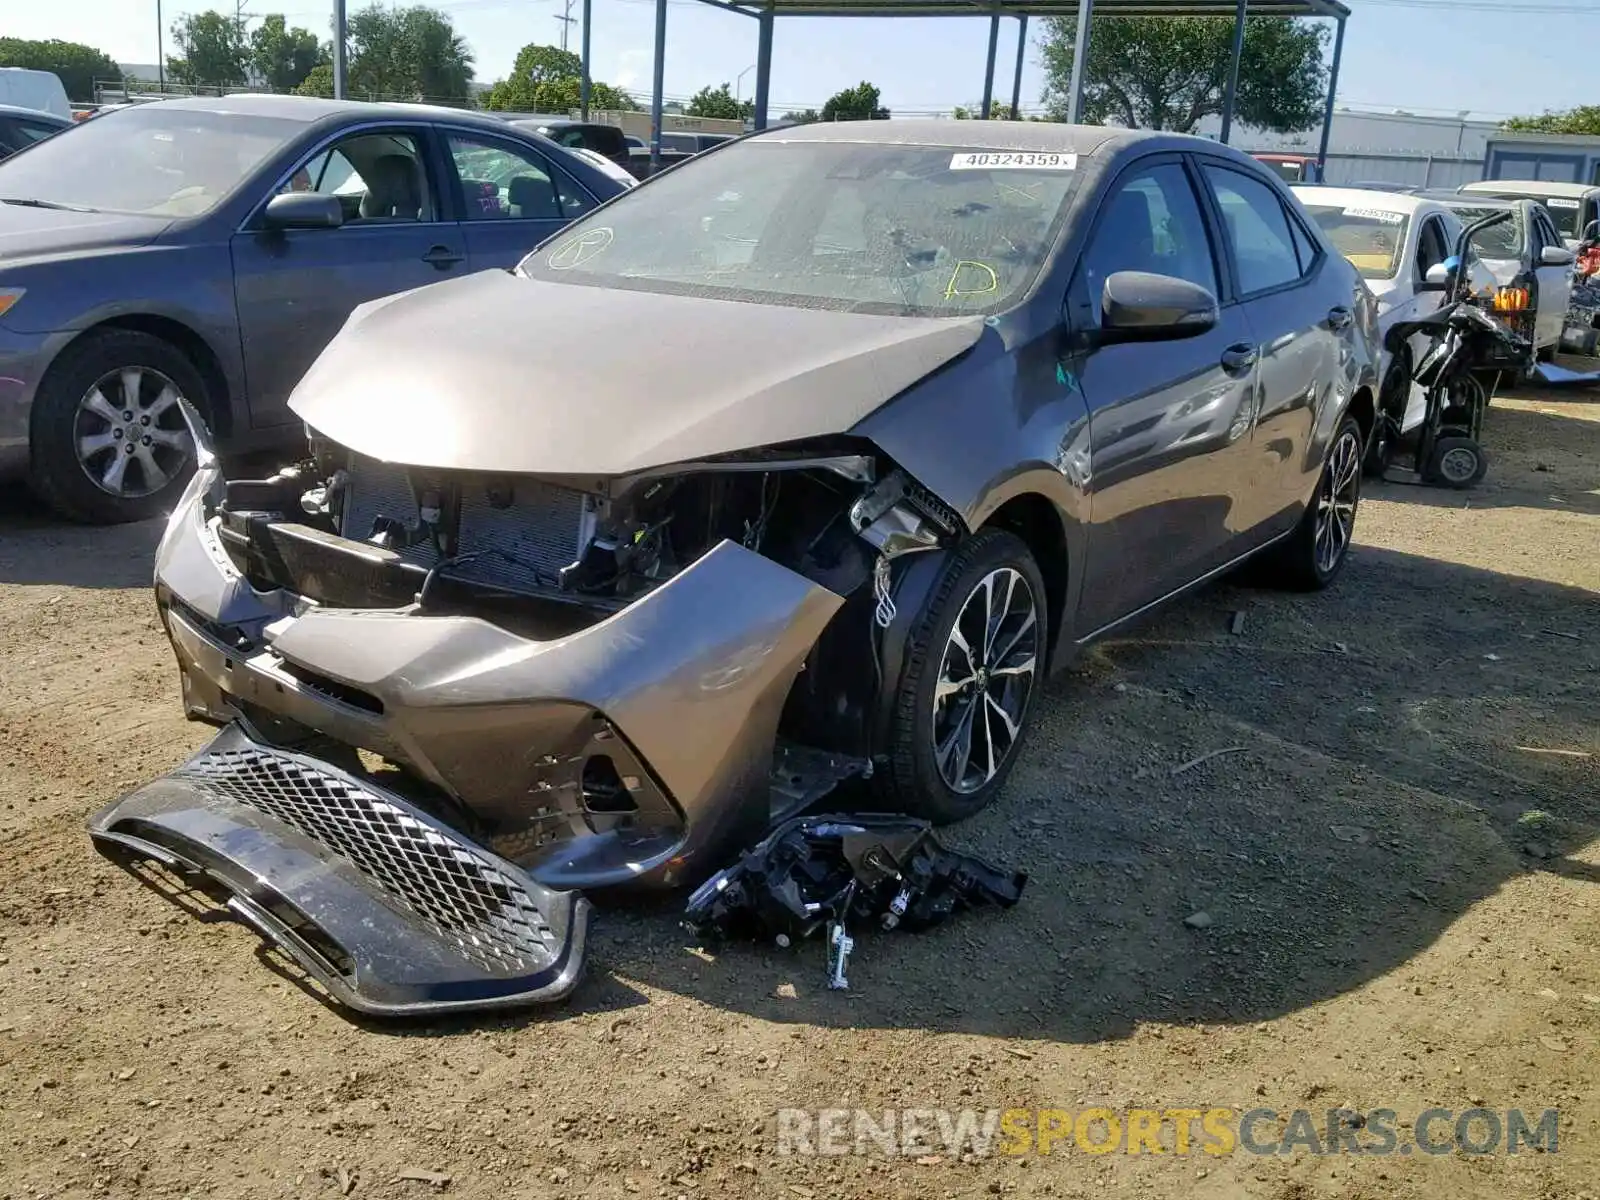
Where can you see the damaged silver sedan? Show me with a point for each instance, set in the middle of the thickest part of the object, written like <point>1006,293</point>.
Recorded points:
<point>846,435</point>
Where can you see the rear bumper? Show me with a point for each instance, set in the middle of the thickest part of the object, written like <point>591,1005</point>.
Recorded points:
<point>391,910</point>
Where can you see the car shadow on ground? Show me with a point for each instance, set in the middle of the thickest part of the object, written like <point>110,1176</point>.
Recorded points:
<point>1388,762</point>
<point>39,548</point>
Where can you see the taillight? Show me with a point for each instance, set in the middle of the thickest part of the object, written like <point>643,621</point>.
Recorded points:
<point>1510,299</point>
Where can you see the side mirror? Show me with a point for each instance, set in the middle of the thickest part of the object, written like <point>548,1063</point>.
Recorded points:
<point>1591,233</point>
<point>303,210</point>
<point>1556,256</point>
<point>1136,306</point>
<point>1438,277</point>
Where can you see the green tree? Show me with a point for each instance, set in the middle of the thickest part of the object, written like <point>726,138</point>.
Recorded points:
<point>318,83</point>
<point>859,103</point>
<point>282,56</point>
<point>997,112</point>
<point>718,102</point>
<point>803,117</point>
<point>1169,72</point>
<point>549,79</point>
<point>411,53</point>
<point>212,50</point>
<point>1583,120</point>
<point>77,65</point>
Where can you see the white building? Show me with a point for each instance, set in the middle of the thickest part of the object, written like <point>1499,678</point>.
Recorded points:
<point>1391,146</point>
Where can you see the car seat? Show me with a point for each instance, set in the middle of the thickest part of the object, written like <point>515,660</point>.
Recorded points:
<point>534,198</point>
<point>394,189</point>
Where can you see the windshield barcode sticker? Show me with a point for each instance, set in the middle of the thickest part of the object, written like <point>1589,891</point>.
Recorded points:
<point>1559,202</point>
<point>1376,214</point>
<point>993,160</point>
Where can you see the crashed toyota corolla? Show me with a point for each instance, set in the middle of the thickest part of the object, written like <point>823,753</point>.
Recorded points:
<point>799,464</point>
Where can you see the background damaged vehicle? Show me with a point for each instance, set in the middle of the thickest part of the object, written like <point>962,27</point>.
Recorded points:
<point>523,624</point>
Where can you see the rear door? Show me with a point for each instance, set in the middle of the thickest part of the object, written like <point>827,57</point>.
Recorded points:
<point>1554,291</point>
<point>1164,417</point>
<point>509,196</point>
<point>1297,305</point>
<point>295,287</point>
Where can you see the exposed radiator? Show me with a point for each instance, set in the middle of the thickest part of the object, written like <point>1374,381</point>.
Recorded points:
<point>521,546</point>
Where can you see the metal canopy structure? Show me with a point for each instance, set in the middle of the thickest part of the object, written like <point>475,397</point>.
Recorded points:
<point>766,12</point>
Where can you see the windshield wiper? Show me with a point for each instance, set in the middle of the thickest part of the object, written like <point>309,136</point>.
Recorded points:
<point>36,203</point>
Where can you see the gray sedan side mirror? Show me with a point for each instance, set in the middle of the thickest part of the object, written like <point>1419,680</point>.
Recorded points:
<point>1556,256</point>
<point>1437,279</point>
<point>303,210</point>
<point>1137,306</point>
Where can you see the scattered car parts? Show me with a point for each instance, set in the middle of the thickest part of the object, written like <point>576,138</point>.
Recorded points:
<point>833,871</point>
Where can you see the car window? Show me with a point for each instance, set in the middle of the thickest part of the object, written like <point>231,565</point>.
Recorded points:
<point>33,131</point>
<point>1304,247</point>
<point>379,178</point>
<point>499,181</point>
<point>1151,223</point>
<point>1258,230</point>
<point>1431,247</point>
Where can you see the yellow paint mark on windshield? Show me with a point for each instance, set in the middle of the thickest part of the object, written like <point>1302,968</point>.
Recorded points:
<point>985,277</point>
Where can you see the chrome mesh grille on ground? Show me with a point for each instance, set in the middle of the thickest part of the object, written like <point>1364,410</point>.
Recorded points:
<point>441,879</point>
<point>522,546</point>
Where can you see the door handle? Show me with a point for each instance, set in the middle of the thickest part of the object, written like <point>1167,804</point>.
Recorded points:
<point>1339,317</point>
<point>442,257</point>
<point>1238,359</point>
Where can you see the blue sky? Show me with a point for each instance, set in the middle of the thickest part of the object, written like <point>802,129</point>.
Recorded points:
<point>1494,57</point>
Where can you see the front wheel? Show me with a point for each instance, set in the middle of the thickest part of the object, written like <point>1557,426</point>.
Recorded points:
<point>1311,557</point>
<point>108,440</point>
<point>974,662</point>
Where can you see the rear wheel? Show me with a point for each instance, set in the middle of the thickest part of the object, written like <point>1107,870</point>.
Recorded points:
<point>974,663</point>
<point>108,441</point>
<point>1311,557</point>
<point>1392,398</point>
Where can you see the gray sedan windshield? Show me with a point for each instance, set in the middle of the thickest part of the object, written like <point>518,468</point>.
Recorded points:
<point>152,159</point>
<point>915,230</point>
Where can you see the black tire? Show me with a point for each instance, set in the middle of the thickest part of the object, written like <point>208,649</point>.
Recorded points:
<point>60,420</point>
<point>1547,354</point>
<point>1299,562</point>
<point>1392,398</point>
<point>913,782</point>
<point>1456,462</point>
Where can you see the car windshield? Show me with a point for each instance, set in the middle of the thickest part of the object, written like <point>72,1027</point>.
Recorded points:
<point>1289,170</point>
<point>151,159</point>
<point>1504,240</point>
<point>1567,213</point>
<point>895,229</point>
<point>1373,239</point>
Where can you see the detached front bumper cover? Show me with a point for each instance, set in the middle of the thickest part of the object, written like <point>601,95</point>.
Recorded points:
<point>391,910</point>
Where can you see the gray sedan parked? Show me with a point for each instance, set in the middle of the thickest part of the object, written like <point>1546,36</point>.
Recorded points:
<point>207,249</point>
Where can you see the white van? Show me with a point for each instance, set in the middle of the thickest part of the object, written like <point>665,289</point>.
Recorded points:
<point>39,90</point>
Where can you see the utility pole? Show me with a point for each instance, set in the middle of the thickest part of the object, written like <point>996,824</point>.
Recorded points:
<point>339,50</point>
<point>161,53</point>
<point>567,22</point>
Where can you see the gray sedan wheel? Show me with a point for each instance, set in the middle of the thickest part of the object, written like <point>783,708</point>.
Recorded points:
<point>974,665</point>
<point>107,440</point>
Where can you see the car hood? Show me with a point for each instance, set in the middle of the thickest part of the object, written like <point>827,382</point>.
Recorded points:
<point>496,372</point>
<point>41,232</point>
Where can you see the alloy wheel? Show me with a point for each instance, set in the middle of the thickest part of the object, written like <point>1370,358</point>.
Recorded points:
<point>1336,501</point>
<point>986,677</point>
<point>130,435</point>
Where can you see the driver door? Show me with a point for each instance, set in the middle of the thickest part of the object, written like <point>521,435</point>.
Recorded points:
<point>1165,418</point>
<point>294,288</point>
<point>1554,292</point>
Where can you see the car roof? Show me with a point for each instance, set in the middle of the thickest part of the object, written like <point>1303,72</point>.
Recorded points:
<point>33,114</point>
<point>310,109</point>
<point>1474,199</point>
<point>1350,197</point>
<point>1039,136</point>
<point>1530,187</point>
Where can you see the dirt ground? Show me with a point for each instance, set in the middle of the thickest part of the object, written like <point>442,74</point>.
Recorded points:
<point>1389,927</point>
